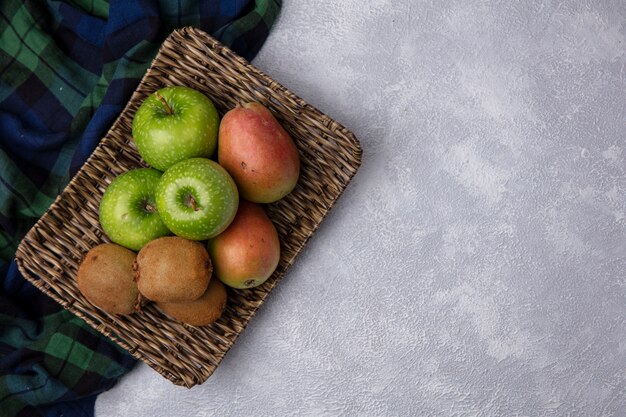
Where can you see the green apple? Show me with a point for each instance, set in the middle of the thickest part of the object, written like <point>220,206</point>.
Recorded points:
<point>174,124</point>
<point>197,199</point>
<point>128,211</point>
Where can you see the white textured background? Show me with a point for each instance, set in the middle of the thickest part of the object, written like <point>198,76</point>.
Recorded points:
<point>476,264</point>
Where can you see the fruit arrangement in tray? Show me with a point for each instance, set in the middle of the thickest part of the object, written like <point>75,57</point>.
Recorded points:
<point>52,252</point>
<point>187,225</point>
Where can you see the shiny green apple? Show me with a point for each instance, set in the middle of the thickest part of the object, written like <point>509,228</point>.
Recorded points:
<point>128,211</point>
<point>197,199</point>
<point>173,124</point>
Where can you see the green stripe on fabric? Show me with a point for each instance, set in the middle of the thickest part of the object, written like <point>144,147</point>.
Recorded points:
<point>264,11</point>
<point>16,330</point>
<point>11,72</point>
<point>68,350</point>
<point>66,79</point>
<point>142,54</point>
<point>20,395</point>
<point>21,200</point>
<point>32,389</point>
<point>96,8</point>
<point>8,246</point>
<point>30,201</point>
<point>59,340</point>
<point>65,345</point>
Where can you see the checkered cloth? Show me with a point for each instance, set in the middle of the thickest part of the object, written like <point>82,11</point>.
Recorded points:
<point>66,71</point>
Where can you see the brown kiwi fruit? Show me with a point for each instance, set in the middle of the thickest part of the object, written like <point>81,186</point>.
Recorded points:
<point>105,277</point>
<point>202,311</point>
<point>172,269</point>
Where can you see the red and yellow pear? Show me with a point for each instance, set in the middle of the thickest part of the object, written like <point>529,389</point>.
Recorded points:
<point>258,153</point>
<point>246,254</point>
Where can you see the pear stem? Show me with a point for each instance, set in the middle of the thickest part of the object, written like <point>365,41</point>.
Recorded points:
<point>167,107</point>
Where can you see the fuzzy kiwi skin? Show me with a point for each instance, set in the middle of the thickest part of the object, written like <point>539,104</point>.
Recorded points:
<point>105,277</point>
<point>205,310</point>
<point>173,269</point>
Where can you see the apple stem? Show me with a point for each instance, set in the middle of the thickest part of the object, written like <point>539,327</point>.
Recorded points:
<point>192,202</point>
<point>150,208</point>
<point>167,107</point>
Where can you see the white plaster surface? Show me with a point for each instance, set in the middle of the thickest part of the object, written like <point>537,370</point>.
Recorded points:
<point>476,265</point>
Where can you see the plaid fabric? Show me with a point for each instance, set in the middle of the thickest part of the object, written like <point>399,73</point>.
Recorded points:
<point>66,71</point>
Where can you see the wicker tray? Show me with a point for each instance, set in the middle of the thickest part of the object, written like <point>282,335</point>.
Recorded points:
<point>50,253</point>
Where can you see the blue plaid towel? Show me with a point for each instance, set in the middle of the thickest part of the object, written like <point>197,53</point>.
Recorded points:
<point>67,70</point>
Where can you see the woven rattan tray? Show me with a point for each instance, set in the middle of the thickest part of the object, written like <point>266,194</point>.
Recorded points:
<point>50,253</point>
